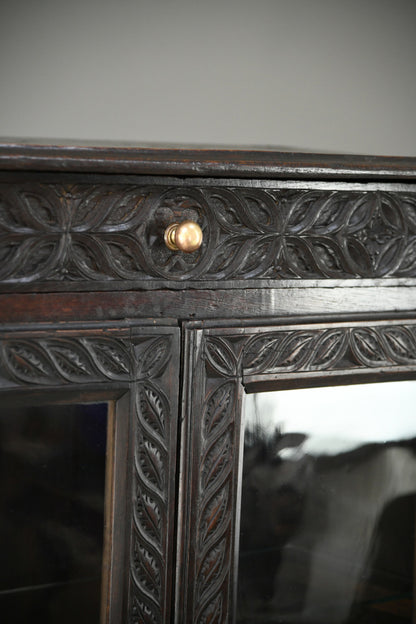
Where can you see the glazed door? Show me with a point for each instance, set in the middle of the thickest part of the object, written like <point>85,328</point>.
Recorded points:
<point>88,435</point>
<point>327,520</point>
<point>299,495</point>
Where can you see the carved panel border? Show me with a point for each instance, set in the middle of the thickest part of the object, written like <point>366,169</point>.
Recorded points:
<point>105,233</point>
<point>142,362</point>
<point>221,362</point>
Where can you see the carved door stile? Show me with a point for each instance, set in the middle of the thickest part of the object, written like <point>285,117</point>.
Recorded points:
<point>212,399</point>
<point>154,413</point>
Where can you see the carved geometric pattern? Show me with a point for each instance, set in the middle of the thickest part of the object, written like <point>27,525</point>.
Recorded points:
<point>229,356</point>
<point>71,358</point>
<point>114,232</point>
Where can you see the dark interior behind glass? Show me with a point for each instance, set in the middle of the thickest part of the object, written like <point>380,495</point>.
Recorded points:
<point>52,467</point>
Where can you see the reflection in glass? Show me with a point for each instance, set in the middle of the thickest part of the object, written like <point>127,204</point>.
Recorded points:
<point>328,506</point>
<point>52,468</point>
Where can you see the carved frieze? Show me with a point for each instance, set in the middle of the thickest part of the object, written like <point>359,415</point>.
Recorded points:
<point>104,233</point>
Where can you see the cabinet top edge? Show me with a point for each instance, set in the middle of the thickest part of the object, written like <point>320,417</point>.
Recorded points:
<point>192,161</point>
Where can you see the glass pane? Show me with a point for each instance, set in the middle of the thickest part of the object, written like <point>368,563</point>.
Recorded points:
<point>52,469</point>
<point>328,506</point>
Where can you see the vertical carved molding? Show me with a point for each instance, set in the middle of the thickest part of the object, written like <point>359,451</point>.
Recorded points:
<point>153,481</point>
<point>209,531</point>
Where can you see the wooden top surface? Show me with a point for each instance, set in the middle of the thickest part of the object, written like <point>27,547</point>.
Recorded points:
<point>192,161</point>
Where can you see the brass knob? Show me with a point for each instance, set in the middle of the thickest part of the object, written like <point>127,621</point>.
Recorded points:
<point>185,236</point>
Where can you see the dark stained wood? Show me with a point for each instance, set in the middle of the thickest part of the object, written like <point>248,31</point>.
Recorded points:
<point>219,364</point>
<point>140,367</point>
<point>201,162</point>
<point>205,304</point>
<point>208,524</point>
<point>108,235</point>
<point>314,251</point>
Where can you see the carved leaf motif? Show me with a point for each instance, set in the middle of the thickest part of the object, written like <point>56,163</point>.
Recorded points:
<point>328,255</point>
<point>261,210</point>
<point>408,209</point>
<point>38,210</point>
<point>260,351</point>
<point>30,257</point>
<point>118,208</point>
<point>89,258</point>
<point>290,350</point>
<point>72,361</point>
<point>152,464</point>
<point>328,213</point>
<point>217,461</point>
<point>298,257</point>
<point>408,260</point>
<point>302,212</point>
<point>240,211</point>
<point>155,357</point>
<point>227,209</point>
<point>218,409</point>
<point>214,516</point>
<point>358,257</point>
<point>367,347</point>
<point>225,260</point>
<point>146,570</point>
<point>111,356</point>
<point>124,254</point>
<point>400,344</point>
<point>390,257</point>
<point>220,356</point>
<point>152,410</point>
<point>212,566</point>
<point>149,517</point>
<point>67,360</point>
<point>390,214</point>
<point>141,613</point>
<point>254,255</point>
<point>329,349</point>
<point>361,212</point>
<point>295,350</point>
<point>10,217</point>
<point>213,613</point>
<point>27,362</point>
<point>105,256</point>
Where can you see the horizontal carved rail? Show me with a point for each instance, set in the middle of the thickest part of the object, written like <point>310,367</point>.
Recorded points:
<point>105,233</point>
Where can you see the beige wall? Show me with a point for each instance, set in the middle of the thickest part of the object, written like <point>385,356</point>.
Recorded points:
<point>334,75</point>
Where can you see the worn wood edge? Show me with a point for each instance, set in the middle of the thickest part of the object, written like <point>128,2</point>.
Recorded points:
<point>194,162</point>
<point>50,287</point>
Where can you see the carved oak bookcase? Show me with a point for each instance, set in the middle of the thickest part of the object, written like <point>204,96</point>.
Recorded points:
<point>305,276</point>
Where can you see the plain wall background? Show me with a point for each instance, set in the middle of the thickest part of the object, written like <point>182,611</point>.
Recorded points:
<point>322,75</point>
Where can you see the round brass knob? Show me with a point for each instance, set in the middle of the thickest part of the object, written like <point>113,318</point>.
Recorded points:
<point>185,236</point>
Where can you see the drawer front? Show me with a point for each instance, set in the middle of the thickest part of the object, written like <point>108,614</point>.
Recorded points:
<point>78,232</point>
